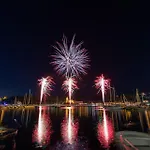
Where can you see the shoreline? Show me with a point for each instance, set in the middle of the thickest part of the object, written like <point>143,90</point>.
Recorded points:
<point>76,105</point>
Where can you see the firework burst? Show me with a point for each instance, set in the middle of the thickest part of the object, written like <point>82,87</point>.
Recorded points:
<point>102,84</point>
<point>70,60</point>
<point>69,86</point>
<point>46,86</point>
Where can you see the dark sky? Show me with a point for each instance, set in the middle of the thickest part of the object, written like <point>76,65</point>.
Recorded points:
<point>116,34</point>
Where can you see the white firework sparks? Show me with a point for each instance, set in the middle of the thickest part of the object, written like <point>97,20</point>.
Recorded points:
<point>70,60</point>
<point>46,86</point>
<point>102,84</point>
<point>69,86</point>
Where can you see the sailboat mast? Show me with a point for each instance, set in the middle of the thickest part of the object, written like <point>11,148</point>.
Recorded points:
<point>24,101</point>
<point>15,102</point>
<point>110,95</point>
<point>137,96</point>
<point>29,96</point>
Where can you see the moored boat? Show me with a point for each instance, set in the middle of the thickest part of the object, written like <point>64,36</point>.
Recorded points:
<point>133,140</point>
<point>7,132</point>
<point>114,107</point>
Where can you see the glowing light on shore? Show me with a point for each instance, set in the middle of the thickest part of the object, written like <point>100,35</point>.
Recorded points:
<point>105,131</point>
<point>69,128</point>
<point>102,84</point>
<point>42,132</point>
<point>69,86</point>
<point>46,86</point>
<point>70,60</point>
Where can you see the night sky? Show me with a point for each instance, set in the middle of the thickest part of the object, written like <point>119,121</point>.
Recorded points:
<point>116,34</point>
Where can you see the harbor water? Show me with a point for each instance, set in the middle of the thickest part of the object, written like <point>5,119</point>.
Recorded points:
<point>68,128</point>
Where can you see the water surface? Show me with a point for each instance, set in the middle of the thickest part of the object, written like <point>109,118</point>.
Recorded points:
<point>71,128</point>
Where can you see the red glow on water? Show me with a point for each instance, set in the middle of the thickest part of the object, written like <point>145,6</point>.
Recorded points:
<point>42,132</point>
<point>105,131</point>
<point>69,128</point>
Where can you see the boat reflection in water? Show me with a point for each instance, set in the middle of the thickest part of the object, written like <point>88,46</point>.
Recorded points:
<point>7,135</point>
<point>105,131</point>
<point>42,131</point>
<point>69,128</point>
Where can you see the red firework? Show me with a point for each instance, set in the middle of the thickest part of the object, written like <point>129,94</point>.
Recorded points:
<point>46,86</point>
<point>102,84</point>
<point>69,86</point>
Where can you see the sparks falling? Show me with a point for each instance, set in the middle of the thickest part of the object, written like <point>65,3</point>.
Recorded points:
<point>69,86</point>
<point>46,86</point>
<point>70,60</point>
<point>102,84</point>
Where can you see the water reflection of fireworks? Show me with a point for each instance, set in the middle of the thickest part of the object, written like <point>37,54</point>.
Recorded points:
<point>69,129</point>
<point>105,131</point>
<point>42,131</point>
<point>82,144</point>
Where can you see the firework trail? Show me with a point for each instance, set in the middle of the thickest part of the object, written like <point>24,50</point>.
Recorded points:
<point>70,60</point>
<point>69,86</point>
<point>46,86</point>
<point>102,84</point>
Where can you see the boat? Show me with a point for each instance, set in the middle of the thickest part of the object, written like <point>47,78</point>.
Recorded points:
<point>129,124</point>
<point>99,108</point>
<point>132,140</point>
<point>114,107</point>
<point>7,132</point>
<point>7,138</point>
